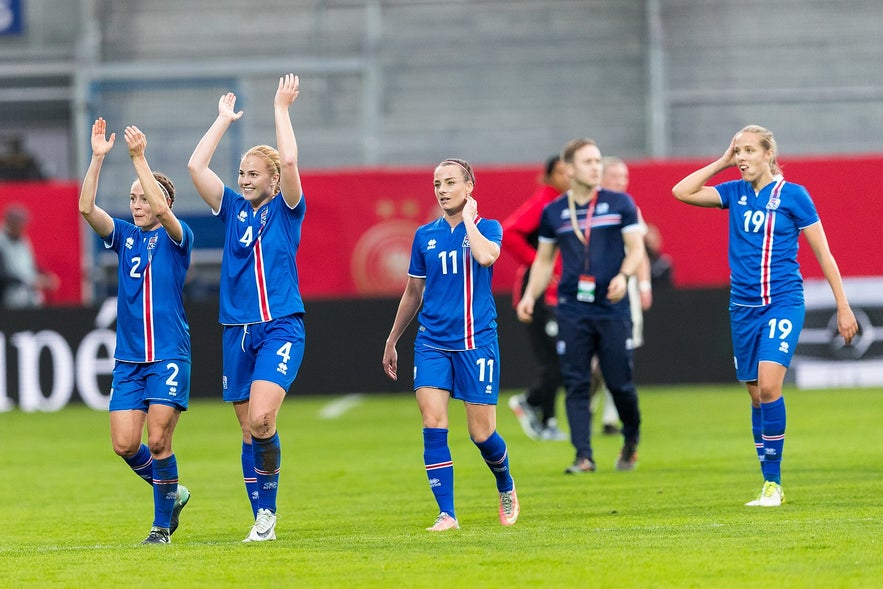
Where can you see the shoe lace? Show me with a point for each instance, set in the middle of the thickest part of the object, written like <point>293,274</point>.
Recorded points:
<point>506,502</point>
<point>263,521</point>
<point>769,489</point>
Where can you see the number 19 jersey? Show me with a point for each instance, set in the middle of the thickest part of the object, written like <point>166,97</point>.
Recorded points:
<point>763,240</point>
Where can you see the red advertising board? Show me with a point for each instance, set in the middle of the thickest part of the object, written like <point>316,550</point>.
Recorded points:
<point>359,225</point>
<point>54,229</point>
<point>360,222</point>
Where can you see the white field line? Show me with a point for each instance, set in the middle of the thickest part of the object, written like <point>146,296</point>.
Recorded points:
<point>338,407</point>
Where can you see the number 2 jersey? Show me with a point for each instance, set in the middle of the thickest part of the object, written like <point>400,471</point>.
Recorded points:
<point>764,229</point>
<point>259,279</point>
<point>459,312</point>
<point>151,323</point>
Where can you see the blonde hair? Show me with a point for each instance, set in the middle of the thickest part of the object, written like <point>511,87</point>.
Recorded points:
<point>271,156</point>
<point>767,141</point>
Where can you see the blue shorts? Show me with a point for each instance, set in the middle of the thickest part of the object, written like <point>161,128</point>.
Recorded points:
<point>764,334</point>
<point>472,376</point>
<point>271,351</point>
<point>137,385</point>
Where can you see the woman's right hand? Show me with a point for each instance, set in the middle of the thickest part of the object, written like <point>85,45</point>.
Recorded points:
<point>100,143</point>
<point>226,107</point>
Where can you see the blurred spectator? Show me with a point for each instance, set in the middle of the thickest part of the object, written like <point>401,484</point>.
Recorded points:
<point>535,409</point>
<point>22,282</point>
<point>16,163</point>
<point>661,265</point>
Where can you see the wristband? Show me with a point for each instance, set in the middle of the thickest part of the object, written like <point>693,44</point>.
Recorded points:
<point>645,286</point>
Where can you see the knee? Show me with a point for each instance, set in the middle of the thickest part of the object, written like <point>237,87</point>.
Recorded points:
<point>126,448</point>
<point>159,448</point>
<point>262,425</point>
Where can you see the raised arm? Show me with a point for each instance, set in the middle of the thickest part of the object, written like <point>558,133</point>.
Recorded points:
<point>692,189</point>
<point>408,307</point>
<point>483,249</point>
<point>289,180</point>
<point>846,323</point>
<point>209,186</point>
<point>98,219</point>
<point>156,198</point>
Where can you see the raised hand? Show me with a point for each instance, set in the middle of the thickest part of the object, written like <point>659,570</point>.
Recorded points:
<point>470,209</point>
<point>136,140</point>
<point>100,143</point>
<point>288,90</point>
<point>227,107</point>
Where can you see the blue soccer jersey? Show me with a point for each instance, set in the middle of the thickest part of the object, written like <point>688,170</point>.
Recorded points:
<point>259,269</point>
<point>613,213</point>
<point>764,229</point>
<point>151,324</point>
<point>458,311</point>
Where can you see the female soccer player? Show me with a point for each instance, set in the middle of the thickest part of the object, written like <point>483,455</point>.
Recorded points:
<point>456,353</point>
<point>151,376</point>
<point>262,315</point>
<point>767,216</point>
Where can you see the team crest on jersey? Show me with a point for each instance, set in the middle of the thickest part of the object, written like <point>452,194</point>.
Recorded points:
<point>129,243</point>
<point>264,214</point>
<point>151,243</point>
<point>603,208</point>
<point>431,244</point>
<point>743,200</point>
<point>242,216</point>
<point>774,203</point>
<point>465,241</point>
<point>565,214</point>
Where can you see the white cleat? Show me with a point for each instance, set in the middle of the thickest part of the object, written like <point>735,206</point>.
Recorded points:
<point>264,527</point>
<point>771,495</point>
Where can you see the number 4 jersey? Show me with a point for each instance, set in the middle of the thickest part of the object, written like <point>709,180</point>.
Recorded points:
<point>458,311</point>
<point>259,280</point>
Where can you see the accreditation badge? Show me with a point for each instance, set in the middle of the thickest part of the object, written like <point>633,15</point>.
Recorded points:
<point>585,289</point>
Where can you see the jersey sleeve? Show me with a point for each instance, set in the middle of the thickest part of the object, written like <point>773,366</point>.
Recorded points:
<point>805,213</point>
<point>547,228</point>
<point>187,241</point>
<point>417,265</point>
<point>727,191</point>
<point>492,230</point>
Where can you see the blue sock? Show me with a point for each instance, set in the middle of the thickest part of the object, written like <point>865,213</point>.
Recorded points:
<point>249,477</point>
<point>756,432</point>
<point>267,460</point>
<point>773,439</point>
<point>141,463</point>
<point>439,468</point>
<point>165,489</point>
<point>495,454</point>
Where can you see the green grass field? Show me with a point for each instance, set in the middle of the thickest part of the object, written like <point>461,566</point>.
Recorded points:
<point>354,502</point>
